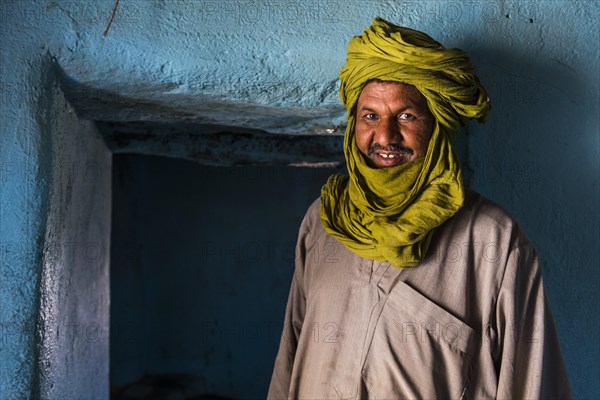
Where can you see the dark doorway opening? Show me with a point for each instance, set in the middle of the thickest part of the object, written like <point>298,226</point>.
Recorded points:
<point>201,262</point>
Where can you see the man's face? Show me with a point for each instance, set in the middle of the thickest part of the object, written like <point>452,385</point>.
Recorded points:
<point>393,124</point>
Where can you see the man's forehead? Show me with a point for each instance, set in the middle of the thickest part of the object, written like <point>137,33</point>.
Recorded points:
<point>387,91</point>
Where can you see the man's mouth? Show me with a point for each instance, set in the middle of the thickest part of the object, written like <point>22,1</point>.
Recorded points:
<point>389,156</point>
<point>389,159</point>
<point>390,151</point>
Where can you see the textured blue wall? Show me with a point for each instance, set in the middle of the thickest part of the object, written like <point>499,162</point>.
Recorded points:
<point>538,156</point>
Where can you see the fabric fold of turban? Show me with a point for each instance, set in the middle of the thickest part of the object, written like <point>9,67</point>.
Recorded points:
<point>390,214</point>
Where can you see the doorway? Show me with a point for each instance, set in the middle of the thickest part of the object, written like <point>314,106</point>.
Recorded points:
<point>201,262</point>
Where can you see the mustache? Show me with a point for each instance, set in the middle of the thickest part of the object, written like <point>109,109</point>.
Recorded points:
<point>392,148</point>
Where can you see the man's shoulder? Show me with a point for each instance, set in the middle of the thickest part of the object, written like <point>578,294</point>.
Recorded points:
<point>312,229</point>
<point>484,218</point>
<point>315,207</point>
<point>481,209</point>
<point>312,217</point>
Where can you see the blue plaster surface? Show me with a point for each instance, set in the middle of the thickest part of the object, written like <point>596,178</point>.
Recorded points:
<point>538,156</point>
<point>73,316</point>
<point>54,338</point>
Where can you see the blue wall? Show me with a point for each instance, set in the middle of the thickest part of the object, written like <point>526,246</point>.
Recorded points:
<point>538,155</point>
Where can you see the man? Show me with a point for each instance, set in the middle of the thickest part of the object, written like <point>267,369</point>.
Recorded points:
<point>407,286</point>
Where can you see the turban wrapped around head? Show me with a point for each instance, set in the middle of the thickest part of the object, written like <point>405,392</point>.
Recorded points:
<point>389,214</point>
<point>444,76</point>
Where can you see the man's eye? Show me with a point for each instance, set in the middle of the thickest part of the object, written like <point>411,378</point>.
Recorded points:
<point>371,116</point>
<point>406,117</point>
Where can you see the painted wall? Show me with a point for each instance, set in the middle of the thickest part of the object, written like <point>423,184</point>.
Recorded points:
<point>538,155</point>
<point>55,284</point>
<point>73,315</point>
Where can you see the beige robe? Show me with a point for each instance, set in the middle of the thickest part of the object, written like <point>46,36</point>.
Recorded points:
<point>470,322</point>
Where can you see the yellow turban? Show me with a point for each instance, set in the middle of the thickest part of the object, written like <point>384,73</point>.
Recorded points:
<point>389,214</point>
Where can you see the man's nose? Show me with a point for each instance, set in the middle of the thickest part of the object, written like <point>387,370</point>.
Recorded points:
<point>387,133</point>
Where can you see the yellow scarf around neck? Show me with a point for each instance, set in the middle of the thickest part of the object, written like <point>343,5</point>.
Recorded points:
<point>389,214</point>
